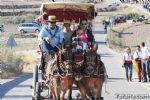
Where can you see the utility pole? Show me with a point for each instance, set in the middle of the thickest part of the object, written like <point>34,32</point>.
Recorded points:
<point>13,8</point>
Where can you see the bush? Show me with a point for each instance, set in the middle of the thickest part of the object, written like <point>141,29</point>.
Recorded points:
<point>10,63</point>
<point>18,19</point>
<point>132,16</point>
<point>113,40</point>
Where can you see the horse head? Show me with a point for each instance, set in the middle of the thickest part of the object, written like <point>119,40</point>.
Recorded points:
<point>66,63</point>
<point>51,63</point>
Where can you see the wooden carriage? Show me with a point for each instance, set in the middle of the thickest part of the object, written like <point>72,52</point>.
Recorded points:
<point>67,11</point>
<point>63,11</point>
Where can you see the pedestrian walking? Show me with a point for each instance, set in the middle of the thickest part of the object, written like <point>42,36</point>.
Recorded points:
<point>137,57</point>
<point>127,63</point>
<point>145,62</point>
<point>106,24</point>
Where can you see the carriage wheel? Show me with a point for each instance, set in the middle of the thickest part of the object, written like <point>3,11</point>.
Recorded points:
<point>35,81</point>
<point>38,91</point>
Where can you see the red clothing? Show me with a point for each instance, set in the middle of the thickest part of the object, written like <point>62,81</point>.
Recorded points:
<point>82,37</point>
<point>139,70</point>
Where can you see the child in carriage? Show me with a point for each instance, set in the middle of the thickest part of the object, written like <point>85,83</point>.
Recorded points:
<point>81,39</point>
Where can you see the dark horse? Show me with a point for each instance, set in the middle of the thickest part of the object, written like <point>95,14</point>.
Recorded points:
<point>59,72</point>
<point>91,86</point>
<point>92,78</point>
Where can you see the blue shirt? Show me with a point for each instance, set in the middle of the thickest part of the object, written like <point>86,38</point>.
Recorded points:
<point>54,40</point>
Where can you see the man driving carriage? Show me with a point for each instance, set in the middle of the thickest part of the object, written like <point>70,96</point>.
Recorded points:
<point>51,38</point>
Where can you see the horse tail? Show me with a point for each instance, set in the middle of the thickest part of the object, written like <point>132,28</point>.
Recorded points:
<point>105,78</point>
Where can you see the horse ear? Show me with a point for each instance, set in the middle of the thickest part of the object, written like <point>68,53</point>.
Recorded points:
<point>95,47</point>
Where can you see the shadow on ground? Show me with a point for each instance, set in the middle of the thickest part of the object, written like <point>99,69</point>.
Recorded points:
<point>4,88</point>
<point>113,79</point>
<point>101,42</point>
<point>106,55</point>
<point>98,32</point>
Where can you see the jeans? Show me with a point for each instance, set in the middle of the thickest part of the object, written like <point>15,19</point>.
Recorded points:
<point>128,69</point>
<point>146,69</point>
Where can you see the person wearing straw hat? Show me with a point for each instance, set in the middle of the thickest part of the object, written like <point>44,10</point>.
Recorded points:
<point>51,37</point>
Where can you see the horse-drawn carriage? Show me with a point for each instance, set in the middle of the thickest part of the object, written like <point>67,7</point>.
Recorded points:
<point>81,67</point>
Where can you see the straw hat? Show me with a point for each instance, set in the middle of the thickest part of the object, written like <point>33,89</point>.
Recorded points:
<point>52,19</point>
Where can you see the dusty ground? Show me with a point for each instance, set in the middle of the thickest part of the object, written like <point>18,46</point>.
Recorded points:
<point>140,34</point>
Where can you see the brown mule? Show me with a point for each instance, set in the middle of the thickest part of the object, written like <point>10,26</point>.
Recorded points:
<point>60,78</point>
<point>91,86</point>
<point>59,87</point>
<point>91,81</point>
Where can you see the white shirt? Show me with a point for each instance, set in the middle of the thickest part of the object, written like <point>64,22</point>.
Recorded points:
<point>127,56</point>
<point>145,53</point>
<point>137,54</point>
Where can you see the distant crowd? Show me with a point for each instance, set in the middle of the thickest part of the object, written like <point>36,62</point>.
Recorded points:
<point>144,3</point>
<point>142,59</point>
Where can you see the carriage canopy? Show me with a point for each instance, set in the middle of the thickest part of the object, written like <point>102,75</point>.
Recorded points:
<point>68,10</point>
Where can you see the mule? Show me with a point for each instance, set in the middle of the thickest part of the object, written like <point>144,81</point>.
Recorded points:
<point>91,81</point>
<point>92,85</point>
<point>59,75</point>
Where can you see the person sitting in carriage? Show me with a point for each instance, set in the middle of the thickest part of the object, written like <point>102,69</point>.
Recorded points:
<point>81,39</point>
<point>67,33</point>
<point>88,32</point>
<point>50,37</point>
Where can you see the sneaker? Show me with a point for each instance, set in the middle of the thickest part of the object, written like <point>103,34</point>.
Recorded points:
<point>144,81</point>
<point>130,80</point>
<point>139,80</point>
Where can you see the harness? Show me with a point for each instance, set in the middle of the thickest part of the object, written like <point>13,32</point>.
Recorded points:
<point>49,31</point>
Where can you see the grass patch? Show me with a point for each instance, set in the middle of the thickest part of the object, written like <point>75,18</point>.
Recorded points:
<point>113,37</point>
<point>22,43</point>
<point>18,19</point>
<point>10,63</point>
<point>30,57</point>
<point>113,41</point>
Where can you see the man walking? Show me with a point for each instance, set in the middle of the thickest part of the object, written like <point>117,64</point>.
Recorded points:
<point>137,57</point>
<point>145,62</point>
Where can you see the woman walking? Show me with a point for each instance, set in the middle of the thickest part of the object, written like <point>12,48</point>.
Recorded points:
<point>128,64</point>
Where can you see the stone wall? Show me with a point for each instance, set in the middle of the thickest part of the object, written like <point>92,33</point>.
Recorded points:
<point>6,10</point>
<point>19,13</point>
<point>19,6</point>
